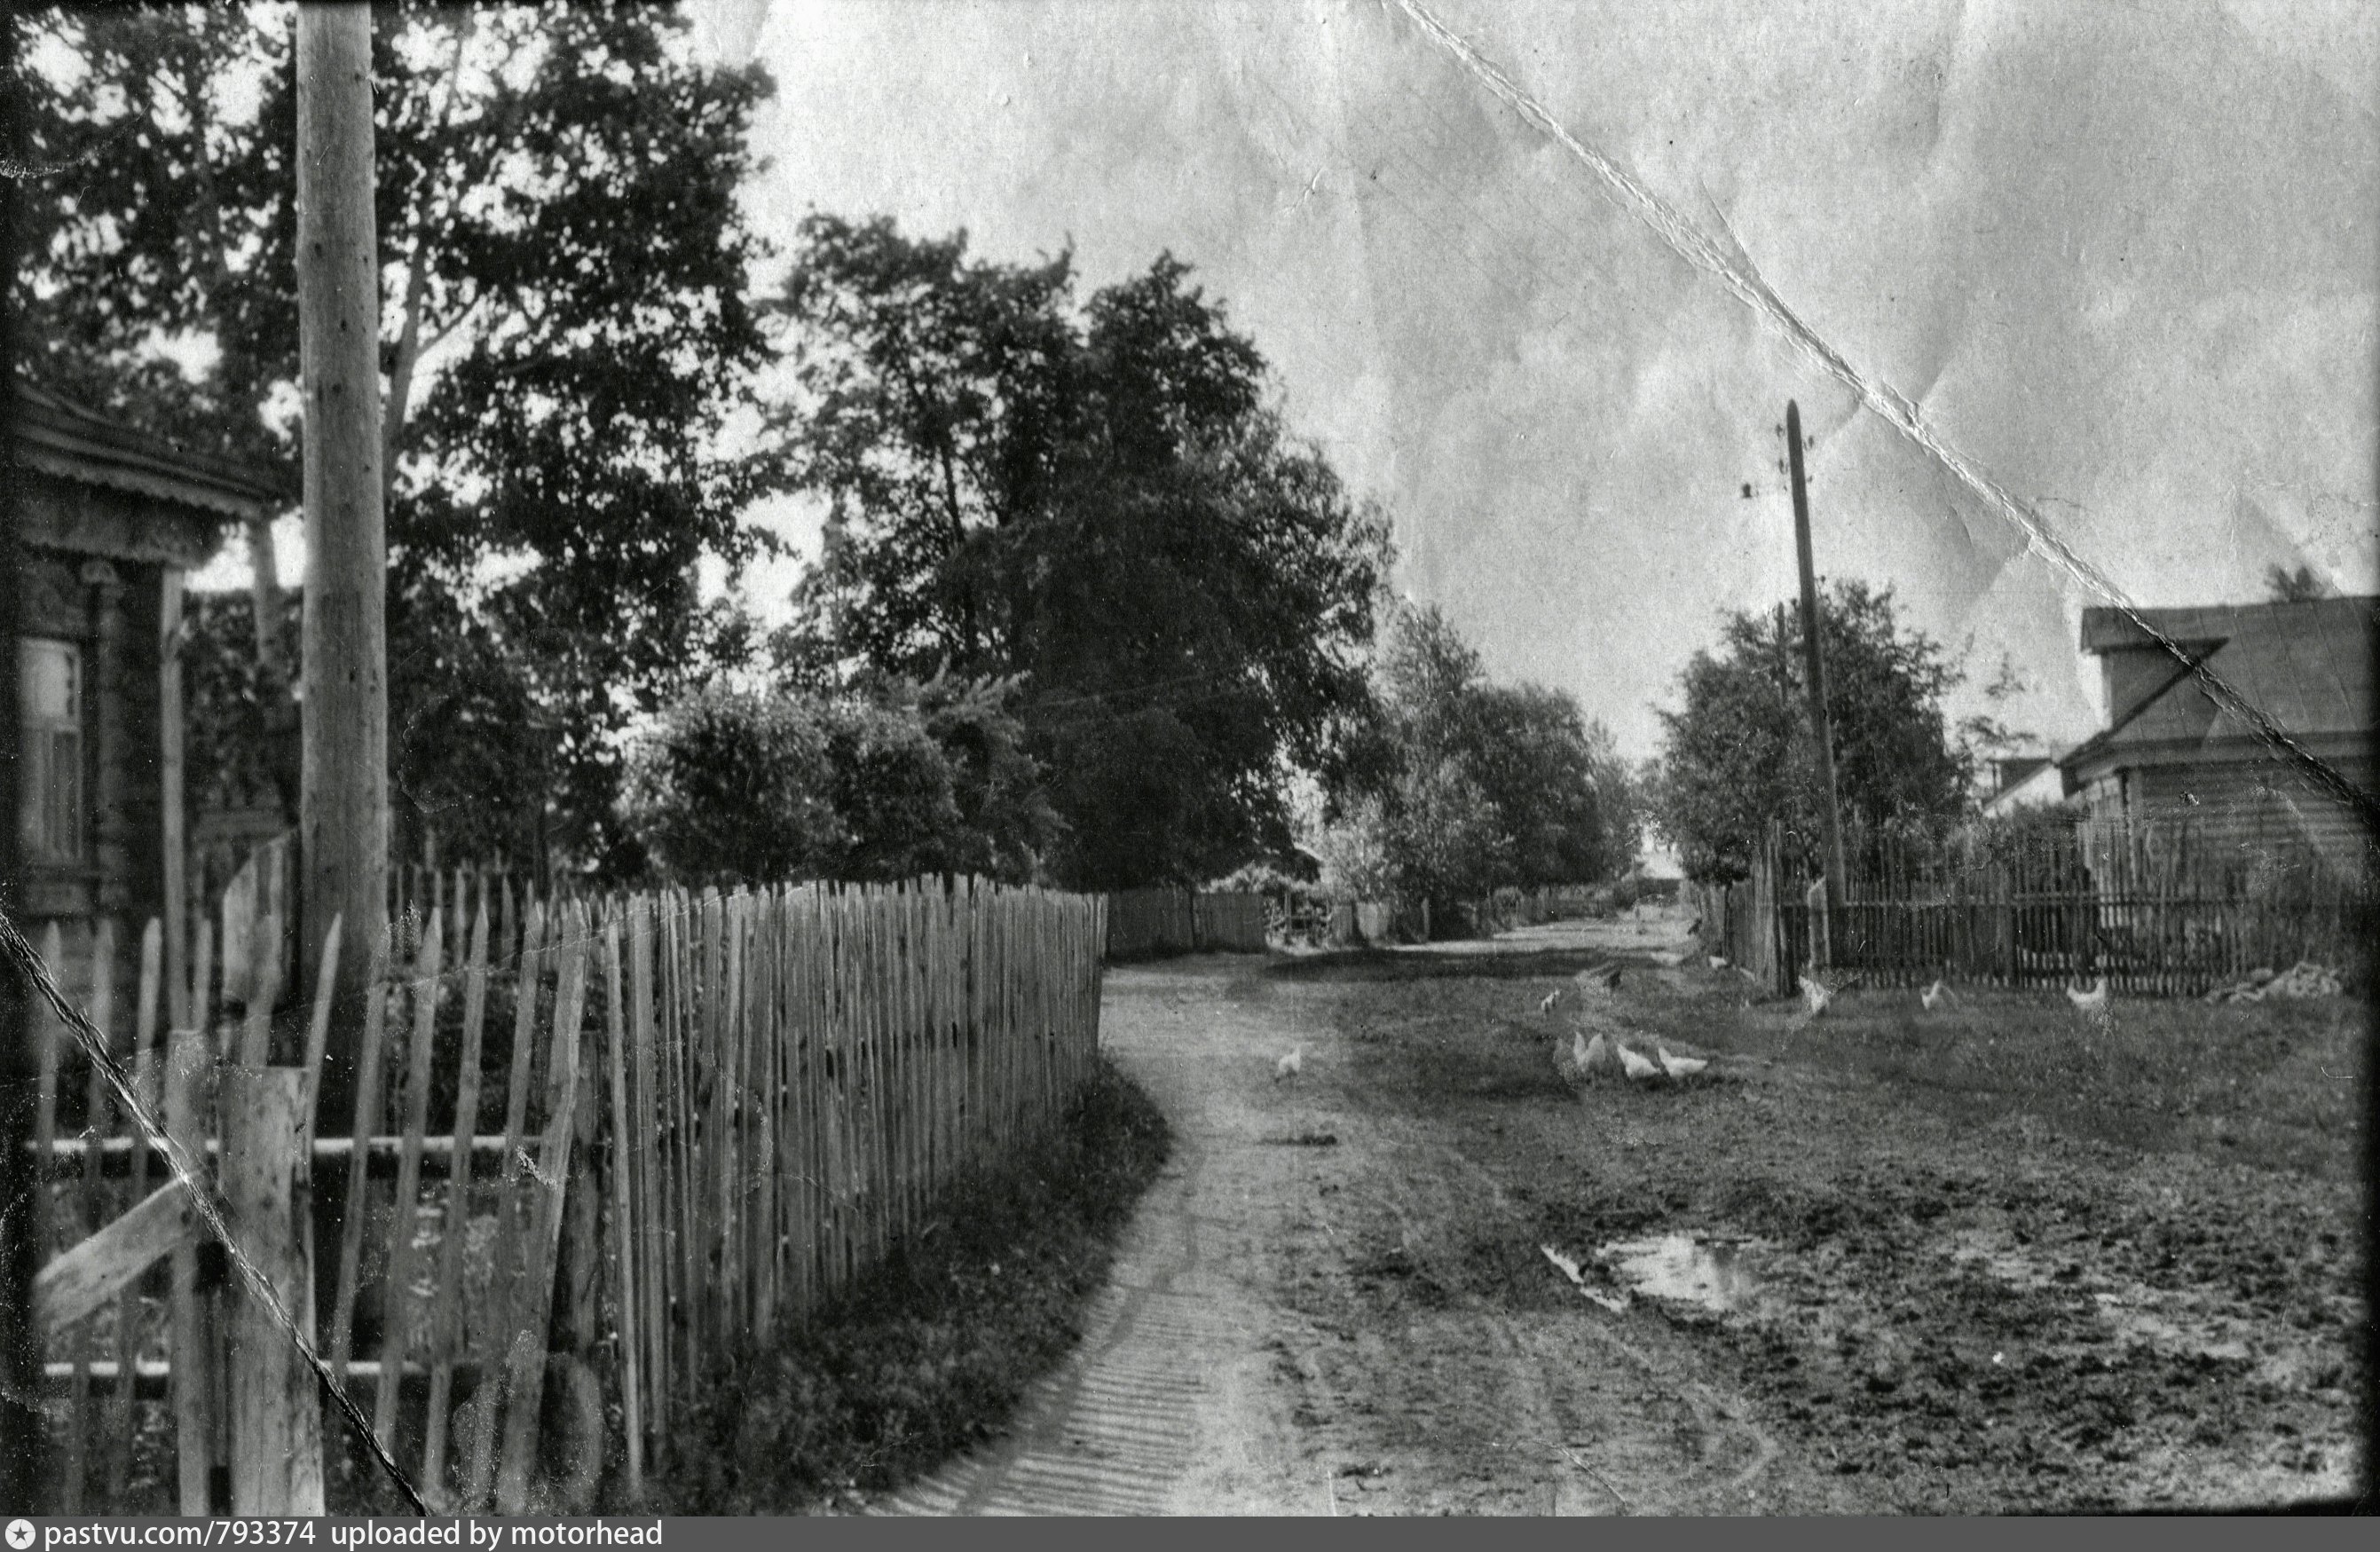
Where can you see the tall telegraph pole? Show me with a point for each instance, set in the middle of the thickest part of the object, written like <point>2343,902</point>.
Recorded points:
<point>1814,661</point>
<point>343,792</point>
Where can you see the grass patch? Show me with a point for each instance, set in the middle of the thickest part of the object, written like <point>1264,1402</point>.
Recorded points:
<point>2273,1084</point>
<point>927,1355</point>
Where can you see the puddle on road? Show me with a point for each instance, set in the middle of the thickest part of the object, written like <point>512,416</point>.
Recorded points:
<point>1716,1274</point>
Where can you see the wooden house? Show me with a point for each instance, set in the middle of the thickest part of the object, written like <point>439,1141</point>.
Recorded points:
<point>110,518</point>
<point>2171,753</point>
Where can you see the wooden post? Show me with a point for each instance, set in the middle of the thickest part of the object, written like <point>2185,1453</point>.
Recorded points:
<point>169,779</point>
<point>190,1091</point>
<point>344,806</point>
<point>1814,660</point>
<point>277,1462</point>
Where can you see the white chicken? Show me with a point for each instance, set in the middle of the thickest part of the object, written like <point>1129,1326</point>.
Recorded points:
<point>1547,1006</point>
<point>1291,1065</point>
<point>1636,1067</point>
<point>2090,1001</point>
<point>1581,1053</point>
<point>1597,1057</point>
<point>1815,996</point>
<point>1931,995</point>
<point>1678,1066</point>
<point>1719,962</point>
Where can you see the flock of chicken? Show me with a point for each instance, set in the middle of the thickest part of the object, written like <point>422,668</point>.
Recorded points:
<point>1817,995</point>
<point>1590,1057</point>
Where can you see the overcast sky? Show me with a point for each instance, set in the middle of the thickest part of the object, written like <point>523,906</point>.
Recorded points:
<point>2120,258</point>
<point>2118,261</point>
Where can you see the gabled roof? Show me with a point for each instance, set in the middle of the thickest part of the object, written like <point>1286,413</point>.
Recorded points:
<point>2307,666</point>
<point>69,442</point>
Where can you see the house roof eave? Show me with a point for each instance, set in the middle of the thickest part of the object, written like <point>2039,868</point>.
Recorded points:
<point>52,436</point>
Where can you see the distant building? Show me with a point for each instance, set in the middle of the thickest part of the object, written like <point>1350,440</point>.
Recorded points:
<point>2024,782</point>
<point>2170,751</point>
<point>111,517</point>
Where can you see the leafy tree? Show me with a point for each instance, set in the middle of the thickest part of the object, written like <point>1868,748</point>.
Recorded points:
<point>563,272</point>
<point>1447,837</point>
<point>232,757</point>
<point>1460,786</point>
<point>1738,754</point>
<point>1095,501</point>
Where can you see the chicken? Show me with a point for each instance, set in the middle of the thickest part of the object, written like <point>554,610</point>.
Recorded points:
<point>1815,996</point>
<point>1931,995</point>
<point>1604,978</point>
<point>1547,1006</point>
<point>2090,1001</point>
<point>1719,962</point>
<point>1290,1066</point>
<point>1678,1066</point>
<point>1582,1054</point>
<point>1636,1067</point>
<point>1598,1056</point>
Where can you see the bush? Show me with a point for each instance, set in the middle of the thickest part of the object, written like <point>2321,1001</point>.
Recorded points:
<point>751,786</point>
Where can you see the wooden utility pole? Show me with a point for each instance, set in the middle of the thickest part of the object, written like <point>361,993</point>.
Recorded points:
<point>1814,662</point>
<point>343,804</point>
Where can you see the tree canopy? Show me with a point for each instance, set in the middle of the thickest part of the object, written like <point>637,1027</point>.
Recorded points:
<point>1095,501</point>
<point>566,331</point>
<point>1738,756</point>
<point>1458,786</point>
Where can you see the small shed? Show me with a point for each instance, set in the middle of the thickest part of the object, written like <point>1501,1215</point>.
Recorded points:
<point>111,519</point>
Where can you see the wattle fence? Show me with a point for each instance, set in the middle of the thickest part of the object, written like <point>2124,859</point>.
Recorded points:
<point>602,1147</point>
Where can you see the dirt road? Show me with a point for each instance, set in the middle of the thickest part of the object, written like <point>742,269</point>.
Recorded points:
<point>1289,1329</point>
<point>1973,1259</point>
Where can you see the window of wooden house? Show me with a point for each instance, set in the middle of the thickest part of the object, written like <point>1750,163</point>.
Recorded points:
<point>50,688</point>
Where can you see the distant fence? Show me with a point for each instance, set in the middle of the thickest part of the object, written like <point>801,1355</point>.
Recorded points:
<point>654,1126</point>
<point>1143,924</point>
<point>2154,908</point>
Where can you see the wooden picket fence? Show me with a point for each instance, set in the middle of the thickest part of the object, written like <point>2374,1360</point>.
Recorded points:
<point>2152,907</point>
<point>610,1144</point>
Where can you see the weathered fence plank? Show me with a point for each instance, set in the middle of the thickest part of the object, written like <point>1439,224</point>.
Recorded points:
<point>277,1420</point>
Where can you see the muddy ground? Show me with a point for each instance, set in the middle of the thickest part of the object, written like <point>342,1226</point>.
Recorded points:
<point>1999,1255</point>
